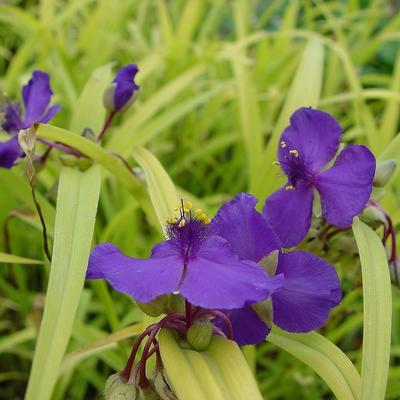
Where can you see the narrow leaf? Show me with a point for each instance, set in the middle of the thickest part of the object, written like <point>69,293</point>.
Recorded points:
<point>77,200</point>
<point>327,360</point>
<point>162,190</point>
<point>377,312</point>
<point>308,75</point>
<point>11,259</point>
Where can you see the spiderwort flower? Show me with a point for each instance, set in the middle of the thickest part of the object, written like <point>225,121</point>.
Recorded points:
<point>307,145</point>
<point>121,92</point>
<point>201,266</point>
<point>36,96</point>
<point>308,286</point>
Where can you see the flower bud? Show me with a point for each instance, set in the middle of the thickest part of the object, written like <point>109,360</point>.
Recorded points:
<point>156,307</point>
<point>384,171</point>
<point>121,93</point>
<point>199,334</point>
<point>394,269</point>
<point>148,393</point>
<point>162,387</point>
<point>344,244</point>
<point>373,215</point>
<point>117,389</point>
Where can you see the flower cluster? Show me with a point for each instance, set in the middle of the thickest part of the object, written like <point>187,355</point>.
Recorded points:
<point>235,270</point>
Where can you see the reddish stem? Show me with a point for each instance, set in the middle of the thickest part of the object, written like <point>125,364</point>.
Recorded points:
<point>106,125</point>
<point>223,317</point>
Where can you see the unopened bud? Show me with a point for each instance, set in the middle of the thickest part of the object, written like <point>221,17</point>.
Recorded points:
<point>372,214</point>
<point>117,389</point>
<point>156,307</point>
<point>68,160</point>
<point>199,334</point>
<point>162,387</point>
<point>89,134</point>
<point>84,163</point>
<point>394,269</point>
<point>384,171</point>
<point>148,393</point>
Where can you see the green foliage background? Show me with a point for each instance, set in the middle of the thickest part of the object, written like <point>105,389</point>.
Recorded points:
<point>218,79</point>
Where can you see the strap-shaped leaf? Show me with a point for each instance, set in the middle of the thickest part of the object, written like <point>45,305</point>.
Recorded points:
<point>77,200</point>
<point>11,259</point>
<point>161,188</point>
<point>220,373</point>
<point>377,312</point>
<point>308,75</point>
<point>326,359</point>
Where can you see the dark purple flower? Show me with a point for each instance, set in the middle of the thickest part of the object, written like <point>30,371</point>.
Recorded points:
<point>307,145</point>
<point>36,96</point>
<point>307,288</point>
<point>193,261</point>
<point>119,95</point>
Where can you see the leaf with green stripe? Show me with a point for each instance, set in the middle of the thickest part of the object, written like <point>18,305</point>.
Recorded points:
<point>78,196</point>
<point>377,297</point>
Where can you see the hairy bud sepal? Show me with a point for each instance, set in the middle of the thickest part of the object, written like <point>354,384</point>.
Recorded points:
<point>117,389</point>
<point>384,171</point>
<point>199,334</point>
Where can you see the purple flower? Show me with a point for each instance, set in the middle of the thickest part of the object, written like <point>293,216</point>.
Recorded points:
<point>307,145</point>
<point>307,288</point>
<point>120,93</point>
<point>36,96</point>
<point>198,264</point>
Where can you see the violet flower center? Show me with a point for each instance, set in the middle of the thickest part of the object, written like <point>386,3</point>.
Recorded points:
<point>188,231</point>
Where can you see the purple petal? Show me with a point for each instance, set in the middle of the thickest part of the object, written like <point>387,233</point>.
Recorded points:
<point>36,95</point>
<point>346,187</point>
<point>248,233</point>
<point>216,279</point>
<point>9,152</point>
<point>126,85</point>
<point>289,212</point>
<point>314,134</point>
<point>50,113</point>
<point>12,118</point>
<point>143,280</point>
<point>248,328</point>
<point>311,289</point>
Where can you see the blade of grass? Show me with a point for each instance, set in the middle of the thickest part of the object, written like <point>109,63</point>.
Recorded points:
<point>11,259</point>
<point>377,297</point>
<point>78,196</point>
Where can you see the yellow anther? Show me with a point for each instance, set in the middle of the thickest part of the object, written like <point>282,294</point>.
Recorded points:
<point>198,213</point>
<point>289,187</point>
<point>182,223</point>
<point>283,144</point>
<point>177,208</point>
<point>294,152</point>
<point>276,163</point>
<point>187,206</point>
<point>172,221</point>
<point>206,220</point>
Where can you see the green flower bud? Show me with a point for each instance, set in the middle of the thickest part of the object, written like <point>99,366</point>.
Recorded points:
<point>176,303</point>
<point>384,171</point>
<point>68,160</point>
<point>84,163</point>
<point>156,307</point>
<point>344,244</point>
<point>162,387</point>
<point>199,334</point>
<point>117,389</point>
<point>373,215</point>
<point>89,134</point>
<point>148,393</point>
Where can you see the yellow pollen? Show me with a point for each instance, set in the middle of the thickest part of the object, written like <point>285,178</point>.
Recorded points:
<point>276,163</point>
<point>187,206</point>
<point>294,152</point>
<point>289,187</point>
<point>283,144</point>
<point>177,208</point>
<point>182,223</point>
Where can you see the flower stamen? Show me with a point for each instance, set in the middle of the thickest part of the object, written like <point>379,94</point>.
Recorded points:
<point>294,152</point>
<point>290,187</point>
